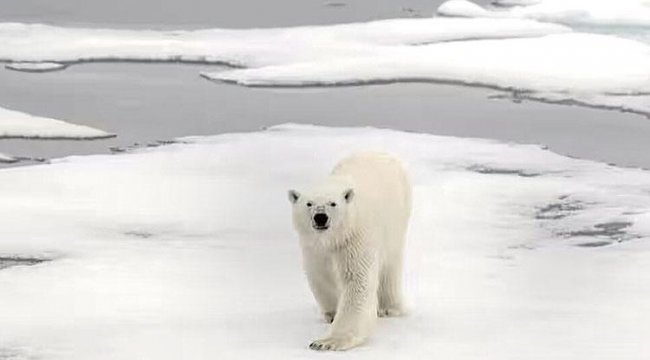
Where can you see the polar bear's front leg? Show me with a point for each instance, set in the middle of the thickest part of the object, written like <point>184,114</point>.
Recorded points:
<point>356,313</point>
<point>322,281</point>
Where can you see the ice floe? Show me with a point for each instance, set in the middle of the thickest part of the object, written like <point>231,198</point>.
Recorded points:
<point>493,48</point>
<point>254,47</point>
<point>15,124</point>
<point>186,251</point>
<point>568,63</point>
<point>35,66</point>
<point>514,2</point>
<point>512,54</point>
<point>584,12</point>
<point>4,158</point>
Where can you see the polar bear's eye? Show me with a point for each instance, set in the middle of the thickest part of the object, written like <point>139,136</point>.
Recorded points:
<point>308,204</point>
<point>333,204</point>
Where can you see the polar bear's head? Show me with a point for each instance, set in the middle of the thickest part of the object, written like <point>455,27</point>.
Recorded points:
<point>322,212</point>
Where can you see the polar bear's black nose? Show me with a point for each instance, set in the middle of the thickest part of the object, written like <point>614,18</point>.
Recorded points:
<point>320,220</point>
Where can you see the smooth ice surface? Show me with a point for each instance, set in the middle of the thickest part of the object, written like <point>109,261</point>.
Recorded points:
<point>585,12</point>
<point>254,47</point>
<point>15,124</point>
<point>35,67</point>
<point>568,63</point>
<point>186,251</point>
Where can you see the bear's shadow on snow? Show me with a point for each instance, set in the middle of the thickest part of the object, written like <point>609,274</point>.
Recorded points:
<point>10,261</point>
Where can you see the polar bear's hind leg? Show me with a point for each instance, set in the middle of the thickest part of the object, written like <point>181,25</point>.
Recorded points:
<point>390,287</point>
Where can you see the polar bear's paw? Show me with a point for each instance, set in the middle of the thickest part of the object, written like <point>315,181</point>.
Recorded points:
<point>392,311</point>
<point>328,316</point>
<point>333,344</point>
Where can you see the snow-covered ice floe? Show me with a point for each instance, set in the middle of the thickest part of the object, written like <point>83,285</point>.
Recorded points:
<point>186,251</point>
<point>599,70</point>
<point>565,64</point>
<point>15,124</point>
<point>506,53</point>
<point>35,66</point>
<point>247,48</point>
<point>581,12</point>
<point>568,63</point>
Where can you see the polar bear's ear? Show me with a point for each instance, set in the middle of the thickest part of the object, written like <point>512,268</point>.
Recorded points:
<point>348,195</point>
<point>293,196</point>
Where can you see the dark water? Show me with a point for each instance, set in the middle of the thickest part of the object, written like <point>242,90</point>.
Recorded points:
<point>210,13</point>
<point>147,102</point>
<point>144,103</point>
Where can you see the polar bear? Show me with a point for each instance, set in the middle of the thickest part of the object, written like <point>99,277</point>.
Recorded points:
<point>352,230</point>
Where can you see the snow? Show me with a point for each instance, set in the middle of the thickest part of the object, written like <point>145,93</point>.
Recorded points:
<point>583,12</point>
<point>15,124</point>
<point>35,66</point>
<point>463,8</point>
<point>186,251</point>
<point>568,63</point>
<point>253,47</point>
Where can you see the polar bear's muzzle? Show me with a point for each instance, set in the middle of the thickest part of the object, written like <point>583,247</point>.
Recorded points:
<point>320,221</point>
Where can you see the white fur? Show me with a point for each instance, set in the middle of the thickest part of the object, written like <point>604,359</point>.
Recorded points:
<point>354,267</point>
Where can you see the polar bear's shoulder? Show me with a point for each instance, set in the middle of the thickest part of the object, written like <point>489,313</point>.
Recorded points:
<point>362,161</point>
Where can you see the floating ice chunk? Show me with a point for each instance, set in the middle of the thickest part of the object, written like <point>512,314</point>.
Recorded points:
<point>586,12</point>
<point>463,8</point>
<point>35,66</point>
<point>254,47</point>
<point>515,2</point>
<point>7,158</point>
<point>14,124</point>
<point>567,63</point>
<point>168,251</point>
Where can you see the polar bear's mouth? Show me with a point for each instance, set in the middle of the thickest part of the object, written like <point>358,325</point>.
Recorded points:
<point>320,221</point>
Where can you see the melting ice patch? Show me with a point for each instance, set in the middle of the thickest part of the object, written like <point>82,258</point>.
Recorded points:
<point>584,12</point>
<point>7,158</point>
<point>186,251</point>
<point>15,124</point>
<point>35,66</point>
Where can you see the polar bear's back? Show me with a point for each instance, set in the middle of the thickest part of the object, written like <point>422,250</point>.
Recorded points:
<point>381,186</point>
